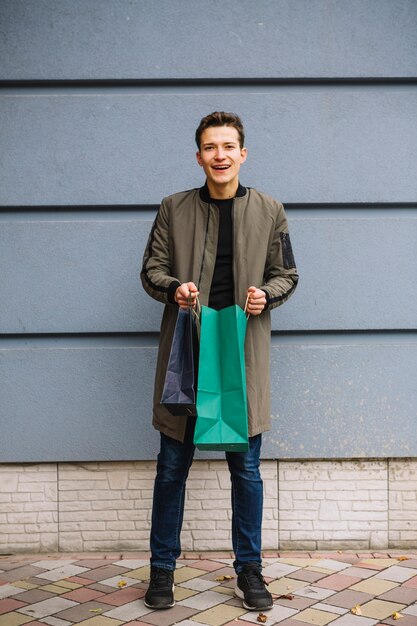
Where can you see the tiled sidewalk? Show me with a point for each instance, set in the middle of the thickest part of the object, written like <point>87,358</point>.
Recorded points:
<point>342,589</point>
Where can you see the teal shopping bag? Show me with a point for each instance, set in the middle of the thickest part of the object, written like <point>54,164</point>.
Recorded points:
<point>222,415</point>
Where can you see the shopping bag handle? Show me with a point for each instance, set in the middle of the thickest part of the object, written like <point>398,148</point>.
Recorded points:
<point>198,306</point>
<point>246,307</point>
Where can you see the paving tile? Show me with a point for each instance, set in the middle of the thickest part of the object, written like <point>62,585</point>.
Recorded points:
<point>322,606</point>
<point>27,571</point>
<point>166,618</point>
<point>117,598</point>
<point>403,595</point>
<point>218,615</point>
<point>141,573</point>
<point>275,615</point>
<point>277,570</point>
<point>359,572</point>
<point>67,584</point>
<point>54,589</point>
<point>225,571</point>
<point>308,576</point>
<point>409,563</point>
<point>83,595</point>
<point>106,571</point>
<point>199,584</point>
<point>225,590</point>
<point>333,564</point>
<point>23,584</point>
<point>46,607</point>
<point>102,621</point>
<point>300,562</point>
<point>140,623</point>
<point>181,593</point>
<point>53,563</point>
<point>314,592</point>
<point>132,563</point>
<point>129,611</point>
<point>61,572</point>
<point>379,609</point>
<point>207,565</point>
<point>115,580</point>
<point>314,616</point>
<point>9,590</point>
<point>293,621</point>
<point>186,573</point>
<point>80,580</point>
<point>411,583</point>
<point>55,621</point>
<point>376,563</point>
<point>92,563</point>
<point>374,586</point>
<point>348,598</point>
<point>14,619</point>
<point>397,573</point>
<point>286,585</point>
<point>101,587</point>
<point>82,611</point>
<point>7,564</point>
<point>337,582</point>
<point>411,610</point>
<point>297,602</point>
<point>354,620</point>
<point>204,600</point>
<point>34,595</point>
<point>10,604</point>
<point>406,620</point>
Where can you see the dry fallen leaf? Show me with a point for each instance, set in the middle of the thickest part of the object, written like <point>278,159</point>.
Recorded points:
<point>262,618</point>
<point>225,577</point>
<point>95,610</point>
<point>356,610</point>
<point>122,583</point>
<point>397,615</point>
<point>285,596</point>
<point>403,558</point>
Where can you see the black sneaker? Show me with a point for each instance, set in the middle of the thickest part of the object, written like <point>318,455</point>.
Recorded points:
<point>160,594</point>
<point>251,589</point>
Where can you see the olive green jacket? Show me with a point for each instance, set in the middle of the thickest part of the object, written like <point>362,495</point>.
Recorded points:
<point>182,247</point>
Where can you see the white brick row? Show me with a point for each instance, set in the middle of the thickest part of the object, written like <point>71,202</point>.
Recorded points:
<point>307,505</point>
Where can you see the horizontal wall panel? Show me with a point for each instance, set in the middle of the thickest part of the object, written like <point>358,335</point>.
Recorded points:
<point>67,402</point>
<point>347,144</point>
<point>92,39</point>
<point>82,276</point>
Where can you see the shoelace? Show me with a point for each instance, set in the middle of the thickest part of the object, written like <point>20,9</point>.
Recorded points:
<point>254,577</point>
<point>159,575</point>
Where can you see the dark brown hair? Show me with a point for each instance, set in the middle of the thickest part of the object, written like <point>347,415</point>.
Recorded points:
<point>220,118</point>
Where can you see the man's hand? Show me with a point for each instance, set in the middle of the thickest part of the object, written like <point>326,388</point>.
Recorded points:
<point>256,301</point>
<point>185,295</point>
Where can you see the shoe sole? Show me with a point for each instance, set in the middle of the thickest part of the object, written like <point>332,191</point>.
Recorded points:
<point>239,593</point>
<point>156,608</point>
<point>159,608</point>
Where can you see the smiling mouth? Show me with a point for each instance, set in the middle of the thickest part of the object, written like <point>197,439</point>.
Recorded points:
<point>221,168</point>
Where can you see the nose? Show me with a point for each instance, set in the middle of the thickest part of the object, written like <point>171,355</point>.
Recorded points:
<point>220,155</point>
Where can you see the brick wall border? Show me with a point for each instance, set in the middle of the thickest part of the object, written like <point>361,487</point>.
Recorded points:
<point>309,505</point>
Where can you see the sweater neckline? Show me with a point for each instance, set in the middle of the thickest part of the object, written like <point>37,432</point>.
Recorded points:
<point>205,194</point>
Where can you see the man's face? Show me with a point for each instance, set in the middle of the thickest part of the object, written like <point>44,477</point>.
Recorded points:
<point>221,156</point>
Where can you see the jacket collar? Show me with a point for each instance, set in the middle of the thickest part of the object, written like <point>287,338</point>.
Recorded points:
<point>205,194</point>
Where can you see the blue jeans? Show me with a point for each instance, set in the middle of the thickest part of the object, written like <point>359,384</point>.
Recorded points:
<point>174,461</point>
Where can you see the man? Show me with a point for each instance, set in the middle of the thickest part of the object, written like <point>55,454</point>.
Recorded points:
<point>222,243</point>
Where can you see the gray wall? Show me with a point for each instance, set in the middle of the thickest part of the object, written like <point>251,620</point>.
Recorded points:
<point>99,102</point>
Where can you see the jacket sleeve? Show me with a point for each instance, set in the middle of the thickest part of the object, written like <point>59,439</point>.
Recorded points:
<point>156,273</point>
<point>281,276</point>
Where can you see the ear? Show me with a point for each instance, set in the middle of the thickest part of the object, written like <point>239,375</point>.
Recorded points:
<point>198,155</point>
<point>243,155</point>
